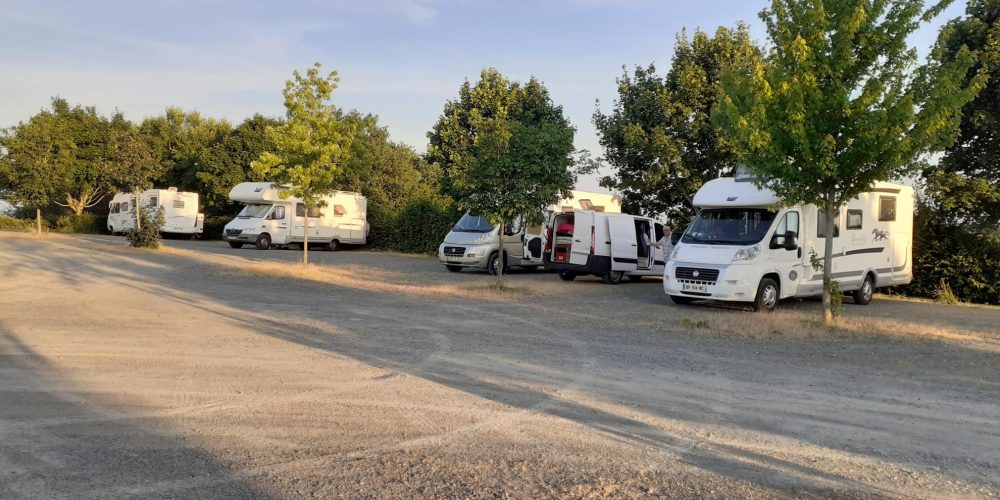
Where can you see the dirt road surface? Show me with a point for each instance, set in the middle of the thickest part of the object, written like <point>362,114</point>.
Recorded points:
<point>194,372</point>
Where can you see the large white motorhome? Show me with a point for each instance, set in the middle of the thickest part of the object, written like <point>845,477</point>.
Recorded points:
<point>472,243</point>
<point>180,211</point>
<point>742,248</point>
<point>611,246</point>
<point>268,219</point>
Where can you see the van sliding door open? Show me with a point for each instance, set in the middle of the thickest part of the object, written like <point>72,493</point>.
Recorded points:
<point>624,244</point>
<point>583,231</point>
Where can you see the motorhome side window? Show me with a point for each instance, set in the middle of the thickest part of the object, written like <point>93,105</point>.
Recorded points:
<point>339,210</point>
<point>886,208</point>
<point>788,222</point>
<point>315,212</point>
<point>514,226</point>
<point>178,203</point>
<point>278,213</point>
<point>152,201</point>
<point>821,223</point>
<point>854,218</point>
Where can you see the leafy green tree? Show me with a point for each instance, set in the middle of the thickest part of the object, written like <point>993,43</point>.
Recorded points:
<point>227,162</point>
<point>181,141</point>
<point>833,107</point>
<point>505,149</point>
<point>310,145</point>
<point>135,169</point>
<point>659,138</point>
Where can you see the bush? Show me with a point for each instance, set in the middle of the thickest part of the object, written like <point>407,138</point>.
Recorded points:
<point>214,225</point>
<point>84,223</point>
<point>8,223</point>
<point>967,260</point>
<point>419,227</point>
<point>148,234</point>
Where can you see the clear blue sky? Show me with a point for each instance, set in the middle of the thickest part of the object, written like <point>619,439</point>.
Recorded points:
<point>399,59</point>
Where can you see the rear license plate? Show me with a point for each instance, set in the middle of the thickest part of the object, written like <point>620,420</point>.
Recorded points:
<point>687,287</point>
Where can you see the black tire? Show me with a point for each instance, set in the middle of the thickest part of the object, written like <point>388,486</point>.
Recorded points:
<point>235,244</point>
<point>492,265</point>
<point>567,275</point>
<point>768,292</point>
<point>863,296</point>
<point>635,278</point>
<point>263,242</point>
<point>613,277</point>
<point>333,246</point>
<point>680,300</point>
<point>454,269</point>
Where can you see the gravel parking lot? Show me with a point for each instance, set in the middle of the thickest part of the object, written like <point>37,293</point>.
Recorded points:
<point>203,371</point>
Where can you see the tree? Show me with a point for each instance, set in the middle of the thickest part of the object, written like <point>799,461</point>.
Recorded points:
<point>227,162</point>
<point>833,107</point>
<point>505,150</point>
<point>135,169</point>
<point>181,141</point>
<point>310,145</point>
<point>659,138</point>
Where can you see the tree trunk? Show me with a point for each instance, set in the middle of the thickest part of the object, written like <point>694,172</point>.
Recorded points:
<point>138,219</point>
<point>828,261</point>
<point>305,239</point>
<point>500,258</point>
<point>38,220</point>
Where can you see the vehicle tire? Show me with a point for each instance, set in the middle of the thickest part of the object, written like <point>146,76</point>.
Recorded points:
<point>613,277</point>
<point>492,265</point>
<point>454,269</point>
<point>680,300</point>
<point>235,244</point>
<point>767,295</point>
<point>333,246</point>
<point>263,242</point>
<point>635,278</point>
<point>567,275</point>
<point>863,296</point>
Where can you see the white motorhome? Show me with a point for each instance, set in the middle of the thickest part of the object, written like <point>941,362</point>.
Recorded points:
<point>611,246</point>
<point>472,243</point>
<point>180,211</point>
<point>742,248</point>
<point>268,219</point>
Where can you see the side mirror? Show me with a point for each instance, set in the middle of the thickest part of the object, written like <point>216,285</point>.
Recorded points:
<point>790,241</point>
<point>507,231</point>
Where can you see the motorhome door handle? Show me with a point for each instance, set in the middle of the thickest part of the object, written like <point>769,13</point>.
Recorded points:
<point>800,252</point>
<point>578,241</point>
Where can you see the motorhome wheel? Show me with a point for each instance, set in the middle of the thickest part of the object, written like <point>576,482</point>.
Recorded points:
<point>613,277</point>
<point>235,244</point>
<point>263,242</point>
<point>767,296</point>
<point>333,246</point>
<point>567,275</point>
<point>863,295</point>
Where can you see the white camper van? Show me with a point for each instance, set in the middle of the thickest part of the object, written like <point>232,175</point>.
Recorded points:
<point>472,243</point>
<point>268,219</point>
<point>611,246</point>
<point>180,211</point>
<point>741,248</point>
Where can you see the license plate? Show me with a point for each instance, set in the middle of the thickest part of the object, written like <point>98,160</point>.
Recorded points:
<point>687,287</point>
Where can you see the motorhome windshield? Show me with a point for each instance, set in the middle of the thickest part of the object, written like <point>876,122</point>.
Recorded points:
<point>472,224</point>
<point>254,211</point>
<point>729,226</point>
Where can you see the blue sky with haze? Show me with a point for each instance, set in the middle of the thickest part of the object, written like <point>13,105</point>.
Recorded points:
<point>399,59</point>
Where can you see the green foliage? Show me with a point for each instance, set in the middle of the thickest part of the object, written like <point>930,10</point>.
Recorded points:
<point>181,141</point>
<point>214,225</point>
<point>659,138</point>
<point>135,165</point>
<point>8,223</point>
<point>944,294</point>
<point>505,149</point>
<point>226,163</point>
<point>418,227</point>
<point>82,224</point>
<point>147,235</point>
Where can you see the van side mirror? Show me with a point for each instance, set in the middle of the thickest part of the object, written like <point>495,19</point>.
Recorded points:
<point>790,241</point>
<point>508,231</point>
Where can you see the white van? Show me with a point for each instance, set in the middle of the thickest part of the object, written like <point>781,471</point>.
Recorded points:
<point>472,243</point>
<point>741,248</point>
<point>268,219</point>
<point>610,246</point>
<point>180,211</point>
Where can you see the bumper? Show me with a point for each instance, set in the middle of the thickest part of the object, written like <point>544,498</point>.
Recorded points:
<point>472,256</point>
<point>735,283</point>
<point>242,237</point>
<point>596,264</point>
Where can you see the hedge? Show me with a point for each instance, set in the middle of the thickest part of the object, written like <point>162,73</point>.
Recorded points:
<point>419,227</point>
<point>84,223</point>
<point>8,223</point>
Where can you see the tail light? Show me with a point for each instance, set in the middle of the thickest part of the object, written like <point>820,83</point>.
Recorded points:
<point>593,239</point>
<point>548,239</point>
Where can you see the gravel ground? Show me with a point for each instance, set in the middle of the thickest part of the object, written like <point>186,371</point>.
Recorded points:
<point>197,372</point>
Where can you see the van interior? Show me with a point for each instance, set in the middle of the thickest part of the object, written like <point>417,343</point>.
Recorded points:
<point>561,236</point>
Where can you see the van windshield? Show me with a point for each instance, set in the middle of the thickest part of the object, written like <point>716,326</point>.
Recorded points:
<point>729,226</point>
<point>254,211</point>
<point>473,224</point>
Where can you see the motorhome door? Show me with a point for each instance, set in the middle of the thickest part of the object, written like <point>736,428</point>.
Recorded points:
<point>787,255</point>
<point>277,223</point>
<point>624,244</point>
<point>583,232</point>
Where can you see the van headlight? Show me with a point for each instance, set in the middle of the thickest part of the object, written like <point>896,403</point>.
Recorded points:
<point>747,253</point>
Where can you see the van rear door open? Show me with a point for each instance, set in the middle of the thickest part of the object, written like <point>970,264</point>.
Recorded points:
<point>583,232</point>
<point>624,247</point>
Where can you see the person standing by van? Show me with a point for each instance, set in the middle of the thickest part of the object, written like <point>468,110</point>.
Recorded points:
<point>663,243</point>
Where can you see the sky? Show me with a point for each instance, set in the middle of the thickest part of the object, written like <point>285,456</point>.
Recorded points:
<point>398,59</point>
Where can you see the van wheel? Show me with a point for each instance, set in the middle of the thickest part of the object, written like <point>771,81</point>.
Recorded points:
<point>567,275</point>
<point>333,246</point>
<point>863,295</point>
<point>454,269</point>
<point>680,300</point>
<point>493,264</point>
<point>613,277</point>
<point>767,296</point>
<point>635,278</point>
<point>235,244</point>
<point>263,242</point>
